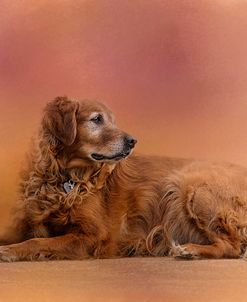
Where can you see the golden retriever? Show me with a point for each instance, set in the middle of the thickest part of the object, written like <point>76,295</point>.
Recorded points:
<point>83,195</point>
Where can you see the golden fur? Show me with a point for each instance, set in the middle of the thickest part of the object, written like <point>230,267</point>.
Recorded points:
<point>120,206</point>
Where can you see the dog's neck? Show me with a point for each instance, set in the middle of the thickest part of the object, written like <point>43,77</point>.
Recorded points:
<point>93,177</point>
<point>51,169</point>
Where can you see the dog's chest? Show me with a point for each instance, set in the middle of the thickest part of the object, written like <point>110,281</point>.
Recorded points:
<point>60,210</point>
<point>58,214</point>
<point>62,220</point>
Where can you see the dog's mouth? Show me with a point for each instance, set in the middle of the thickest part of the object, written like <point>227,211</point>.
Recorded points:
<point>115,157</point>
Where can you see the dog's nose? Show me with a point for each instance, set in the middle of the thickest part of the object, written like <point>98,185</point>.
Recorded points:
<point>130,141</point>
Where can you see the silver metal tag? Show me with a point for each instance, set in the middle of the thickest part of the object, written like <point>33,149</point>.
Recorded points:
<point>69,186</point>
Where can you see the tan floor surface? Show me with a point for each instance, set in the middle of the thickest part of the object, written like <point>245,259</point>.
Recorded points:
<point>140,279</point>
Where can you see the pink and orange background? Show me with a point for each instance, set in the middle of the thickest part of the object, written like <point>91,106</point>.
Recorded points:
<point>174,73</point>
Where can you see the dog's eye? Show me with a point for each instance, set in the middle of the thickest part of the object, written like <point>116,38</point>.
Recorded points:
<point>98,119</point>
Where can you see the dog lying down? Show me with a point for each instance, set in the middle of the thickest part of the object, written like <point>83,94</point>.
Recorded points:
<point>83,195</point>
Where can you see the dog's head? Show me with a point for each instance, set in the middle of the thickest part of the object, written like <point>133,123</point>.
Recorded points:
<point>83,133</point>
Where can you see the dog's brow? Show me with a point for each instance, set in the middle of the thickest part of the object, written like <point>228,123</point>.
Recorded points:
<point>94,114</point>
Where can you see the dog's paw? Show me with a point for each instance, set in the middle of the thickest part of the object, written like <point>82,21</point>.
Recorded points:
<point>6,255</point>
<point>244,255</point>
<point>183,252</point>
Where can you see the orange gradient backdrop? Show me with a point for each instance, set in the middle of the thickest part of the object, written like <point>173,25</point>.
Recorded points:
<point>174,72</point>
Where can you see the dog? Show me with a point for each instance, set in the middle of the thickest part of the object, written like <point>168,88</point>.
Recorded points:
<point>84,195</point>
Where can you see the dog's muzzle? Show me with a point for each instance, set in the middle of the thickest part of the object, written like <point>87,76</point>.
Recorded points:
<point>129,144</point>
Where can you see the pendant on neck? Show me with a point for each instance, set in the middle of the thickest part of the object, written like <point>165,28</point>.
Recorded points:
<point>69,186</point>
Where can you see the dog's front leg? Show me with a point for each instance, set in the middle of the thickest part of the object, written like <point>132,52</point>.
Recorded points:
<point>70,246</point>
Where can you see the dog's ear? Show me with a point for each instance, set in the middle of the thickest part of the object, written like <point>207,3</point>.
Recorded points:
<point>60,120</point>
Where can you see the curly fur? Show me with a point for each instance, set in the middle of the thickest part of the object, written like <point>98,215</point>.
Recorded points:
<point>138,206</point>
